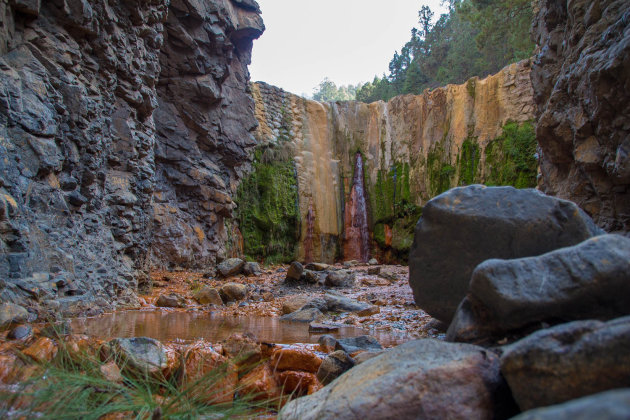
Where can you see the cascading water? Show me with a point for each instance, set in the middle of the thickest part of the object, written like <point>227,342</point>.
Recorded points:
<point>308,240</point>
<point>356,238</point>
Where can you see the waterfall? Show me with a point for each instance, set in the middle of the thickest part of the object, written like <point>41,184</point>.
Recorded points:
<point>356,243</point>
<point>308,240</point>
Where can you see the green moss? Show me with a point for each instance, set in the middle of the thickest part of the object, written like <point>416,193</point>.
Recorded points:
<point>511,158</point>
<point>471,86</point>
<point>439,171</point>
<point>268,211</point>
<point>468,162</point>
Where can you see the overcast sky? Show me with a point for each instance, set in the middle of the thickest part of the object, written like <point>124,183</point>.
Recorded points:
<point>349,41</point>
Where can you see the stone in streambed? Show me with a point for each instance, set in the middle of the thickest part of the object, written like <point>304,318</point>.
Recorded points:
<point>304,315</point>
<point>231,292</point>
<point>12,314</point>
<point>317,266</point>
<point>293,303</point>
<point>340,278</point>
<point>465,226</point>
<point>208,295</point>
<point>316,327</point>
<point>20,332</point>
<point>420,379</point>
<point>568,361</point>
<point>295,359</point>
<point>294,272</point>
<point>610,405</point>
<point>333,366</point>
<point>172,300</point>
<point>251,269</point>
<point>354,344</point>
<point>230,267</point>
<point>144,354</point>
<point>586,281</point>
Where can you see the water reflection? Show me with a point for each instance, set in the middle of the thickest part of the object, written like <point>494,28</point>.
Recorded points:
<point>190,326</point>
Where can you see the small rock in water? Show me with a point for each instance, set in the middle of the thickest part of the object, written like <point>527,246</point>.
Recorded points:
<point>20,332</point>
<point>354,344</point>
<point>303,315</point>
<point>333,366</point>
<point>172,300</point>
<point>316,327</point>
<point>327,343</point>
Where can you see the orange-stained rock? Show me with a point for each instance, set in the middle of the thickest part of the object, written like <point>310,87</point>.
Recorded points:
<point>80,345</point>
<point>202,360</point>
<point>111,372</point>
<point>172,360</point>
<point>295,359</point>
<point>7,364</point>
<point>297,383</point>
<point>242,349</point>
<point>42,350</point>
<point>260,383</point>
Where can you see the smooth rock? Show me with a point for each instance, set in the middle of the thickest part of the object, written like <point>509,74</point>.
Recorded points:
<point>327,343</point>
<point>310,277</point>
<point>465,226</point>
<point>260,383</point>
<point>111,372</point>
<point>373,261</point>
<point>42,350</point>
<point>20,332</point>
<point>208,295</point>
<point>295,359</point>
<point>233,292</point>
<point>297,382</point>
<point>354,344</point>
<point>336,303</point>
<point>333,366</point>
<point>294,272</point>
<point>586,281</point>
<point>230,267</point>
<point>610,405</point>
<point>251,269</point>
<point>421,379</point>
<point>12,314</point>
<point>295,302</point>
<point>316,327</point>
<point>172,300</point>
<point>317,266</point>
<point>144,354</point>
<point>304,315</point>
<point>340,278</point>
<point>568,361</point>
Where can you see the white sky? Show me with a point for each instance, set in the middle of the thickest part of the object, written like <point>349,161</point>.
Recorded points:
<point>348,41</point>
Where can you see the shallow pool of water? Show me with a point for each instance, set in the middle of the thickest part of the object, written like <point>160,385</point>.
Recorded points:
<point>190,326</point>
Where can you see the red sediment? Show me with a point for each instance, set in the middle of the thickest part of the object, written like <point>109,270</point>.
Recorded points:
<point>388,235</point>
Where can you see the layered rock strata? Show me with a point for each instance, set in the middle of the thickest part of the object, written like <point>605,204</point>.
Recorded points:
<point>105,108</point>
<point>412,147</point>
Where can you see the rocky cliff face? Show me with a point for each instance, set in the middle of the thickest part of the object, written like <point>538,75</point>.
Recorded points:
<point>110,112</point>
<point>412,147</point>
<point>581,80</point>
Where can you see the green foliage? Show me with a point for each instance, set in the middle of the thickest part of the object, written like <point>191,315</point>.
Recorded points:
<point>511,158</point>
<point>468,162</point>
<point>475,38</point>
<point>327,91</point>
<point>440,171</point>
<point>268,211</point>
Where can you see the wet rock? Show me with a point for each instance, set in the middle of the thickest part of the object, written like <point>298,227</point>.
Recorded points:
<point>295,359</point>
<point>251,269</point>
<point>142,354</point>
<point>586,281</point>
<point>208,296</point>
<point>434,378</point>
<point>611,405</point>
<point>354,344</point>
<point>465,226</point>
<point>316,327</point>
<point>336,303</point>
<point>42,350</point>
<point>373,261</point>
<point>201,360</point>
<point>233,292</point>
<point>327,343</point>
<point>297,383</point>
<point>294,272</point>
<point>568,361</point>
<point>317,266</point>
<point>242,349</point>
<point>293,303</point>
<point>20,332</point>
<point>111,372</point>
<point>374,271</point>
<point>172,300</point>
<point>230,267</point>
<point>12,314</point>
<point>304,315</point>
<point>260,384</point>
<point>333,366</point>
<point>340,278</point>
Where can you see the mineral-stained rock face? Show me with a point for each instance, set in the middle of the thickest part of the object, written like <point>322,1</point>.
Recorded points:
<point>84,156</point>
<point>581,80</point>
<point>412,148</point>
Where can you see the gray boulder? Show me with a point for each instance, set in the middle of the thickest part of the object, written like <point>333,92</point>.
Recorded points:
<point>251,269</point>
<point>333,366</point>
<point>336,303</point>
<point>568,361</point>
<point>142,354</point>
<point>230,267</point>
<point>465,226</point>
<point>611,405</point>
<point>586,281</point>
<point>421,379</point>
<point>171,300</point>
<point>340,278</point>
<point>304,315</point>
<point>360,343</point>
<point>20,332</point>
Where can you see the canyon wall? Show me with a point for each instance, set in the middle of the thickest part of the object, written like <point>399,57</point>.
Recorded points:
<point>581,80</point>
<point>123,129</point>
<point>412,148</point>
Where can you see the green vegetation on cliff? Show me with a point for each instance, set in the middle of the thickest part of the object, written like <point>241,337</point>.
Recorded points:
<point>267,211</point>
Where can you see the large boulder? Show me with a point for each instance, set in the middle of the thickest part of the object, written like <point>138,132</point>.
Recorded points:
<point>611,405</point>
<point>143,354</point>
<point>465,226</point>
<point>586,281</point>
<point>230,267</point>
<point>568,361</point>
<point>421,379</point>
